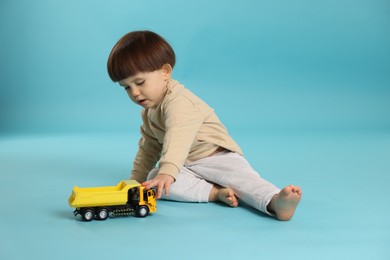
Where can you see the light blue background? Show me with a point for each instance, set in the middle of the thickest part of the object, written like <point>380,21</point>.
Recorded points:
<point>303,86</point>
<point>261,64</point>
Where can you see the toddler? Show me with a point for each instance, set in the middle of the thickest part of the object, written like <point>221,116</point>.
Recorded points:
<point>197,159</point>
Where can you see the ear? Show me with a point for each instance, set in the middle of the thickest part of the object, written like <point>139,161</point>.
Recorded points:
<point>167,71</point>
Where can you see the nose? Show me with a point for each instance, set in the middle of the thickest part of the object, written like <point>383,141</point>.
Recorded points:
<point>135,91</point>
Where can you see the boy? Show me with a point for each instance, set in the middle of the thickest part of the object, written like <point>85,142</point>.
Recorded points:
<point>197,159</point>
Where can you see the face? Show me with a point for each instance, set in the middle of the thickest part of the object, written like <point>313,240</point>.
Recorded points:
<point>147,88</point>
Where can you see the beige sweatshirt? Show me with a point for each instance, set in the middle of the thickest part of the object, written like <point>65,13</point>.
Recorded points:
<point>180,129</point>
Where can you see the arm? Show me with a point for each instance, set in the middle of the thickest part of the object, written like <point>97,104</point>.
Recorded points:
<point>149,152</point>
<point>182,120</point>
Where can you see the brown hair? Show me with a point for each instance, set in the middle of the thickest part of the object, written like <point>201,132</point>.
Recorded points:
<point>139,51</point>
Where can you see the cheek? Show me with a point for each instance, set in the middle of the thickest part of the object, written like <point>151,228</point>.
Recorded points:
<point>131,96</point>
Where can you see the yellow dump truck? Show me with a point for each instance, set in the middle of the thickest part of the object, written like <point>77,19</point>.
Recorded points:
<point>126,198</point>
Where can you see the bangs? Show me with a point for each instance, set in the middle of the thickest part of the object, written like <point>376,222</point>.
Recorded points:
<point>136,52</point>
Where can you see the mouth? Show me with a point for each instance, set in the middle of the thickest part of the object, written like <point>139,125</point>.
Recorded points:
<point>141,102</point>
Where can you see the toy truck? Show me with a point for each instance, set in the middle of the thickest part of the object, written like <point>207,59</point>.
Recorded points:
<point>128,197</point>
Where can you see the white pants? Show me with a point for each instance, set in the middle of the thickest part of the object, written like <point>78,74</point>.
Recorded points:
<point>227,169</point>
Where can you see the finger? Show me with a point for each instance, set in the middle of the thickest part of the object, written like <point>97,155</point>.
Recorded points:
<point>147,184</point>
<point>167,187</point>
<point>151,183</point>
<point>160,187</point>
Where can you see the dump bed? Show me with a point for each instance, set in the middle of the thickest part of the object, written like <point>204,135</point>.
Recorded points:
<point>101,196</point>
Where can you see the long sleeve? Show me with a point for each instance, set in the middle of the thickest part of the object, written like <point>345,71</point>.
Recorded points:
<point>149,152</point>
<point>183,119</point>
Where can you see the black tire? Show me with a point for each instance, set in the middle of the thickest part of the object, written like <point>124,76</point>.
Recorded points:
<point>87,214</point>
<point>102,214</point>
<point>142,211</point>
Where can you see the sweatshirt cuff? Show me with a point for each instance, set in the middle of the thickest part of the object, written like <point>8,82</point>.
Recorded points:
<point>170,169</point>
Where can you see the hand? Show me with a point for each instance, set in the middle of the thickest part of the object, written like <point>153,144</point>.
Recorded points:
<point>162,182</point>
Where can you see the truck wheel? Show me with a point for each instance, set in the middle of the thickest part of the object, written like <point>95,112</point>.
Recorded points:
<point>102,214</point>
<point>142,211</point>
<point>87,214</point>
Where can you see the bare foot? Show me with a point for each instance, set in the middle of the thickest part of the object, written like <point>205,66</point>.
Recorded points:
<point>225,195</point>
<point>285,203</point>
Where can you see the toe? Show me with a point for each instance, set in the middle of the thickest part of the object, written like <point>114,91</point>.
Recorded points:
<point>297,190</point>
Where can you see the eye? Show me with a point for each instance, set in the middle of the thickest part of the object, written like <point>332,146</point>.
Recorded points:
<point>127,88</point>
<point>140,83</point>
